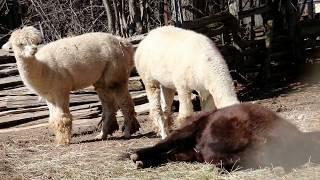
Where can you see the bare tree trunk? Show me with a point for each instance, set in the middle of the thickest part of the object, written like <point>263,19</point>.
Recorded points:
<point>161,11</point>
<point>122,32</point>
<point>165,12</point>
<point>187,15</point>
<point>234,7</point>
<point>135,17</point>
<point>176,12</point>
<point>142,5</point>
<point>116,17</point>
<point>91,11</point>
<point>110,16</point>
<point>124,24</point>
<point>146,17</point>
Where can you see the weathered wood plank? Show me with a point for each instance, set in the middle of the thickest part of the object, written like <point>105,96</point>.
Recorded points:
<point>79,113</point>
<point>29,101</point>
<point>10,82</point>
<point>18,91</point>
<point>12,102</point>
<point>41,115</point>
<point>16,129</point>
<point>78,124</point>
<point>201,22</point>
<point>135,84</point>
<point>7,65</point>
<point>8,72</point>
<point>28,109</point>
<point>10,79</point>
<point>6,57</point>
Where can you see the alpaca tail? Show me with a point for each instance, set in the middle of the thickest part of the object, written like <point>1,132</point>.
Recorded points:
<point>130,50</point>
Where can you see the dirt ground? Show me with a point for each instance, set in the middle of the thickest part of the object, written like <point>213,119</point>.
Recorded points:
<point>31,154</point>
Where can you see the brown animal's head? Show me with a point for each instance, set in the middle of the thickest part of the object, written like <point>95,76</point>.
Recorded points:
<point>24,41</point>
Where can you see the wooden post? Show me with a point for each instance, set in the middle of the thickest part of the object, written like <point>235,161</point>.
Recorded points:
<point>252,22</point>
<point>295,33</point>
<point>164,9</point>
<point>165,12</point>
<point>180,11</point>
<point>176,11</point>
<point>110,16</point>
<point>14,15</point>
<point>310,9</point>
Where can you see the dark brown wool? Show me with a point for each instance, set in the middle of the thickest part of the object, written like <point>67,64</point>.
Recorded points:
<point>248,135</point>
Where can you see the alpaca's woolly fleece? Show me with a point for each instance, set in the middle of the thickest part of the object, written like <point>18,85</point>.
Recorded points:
<point>174,59</point>
<point>98,59</point>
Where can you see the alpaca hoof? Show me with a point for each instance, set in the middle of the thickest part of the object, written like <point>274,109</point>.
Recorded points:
<point>135,127</point>
<point>139,164</point>
<point>128,130</point>
<point>109,128</point>
<point>134,157</point>
<point>63,138</point>
<point>61,145</point>
<point>113,127</point>
<point>62,142</point>
<point>101,136</point>
<point>126,134</point>
<point>156,129</point>
<point>164,135</point>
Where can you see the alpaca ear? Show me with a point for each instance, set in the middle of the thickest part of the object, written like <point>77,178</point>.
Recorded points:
<point>7,46</point>
<point>36,33</point>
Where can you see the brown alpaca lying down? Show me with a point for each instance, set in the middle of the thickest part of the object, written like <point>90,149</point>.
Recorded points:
<point>245,134</point>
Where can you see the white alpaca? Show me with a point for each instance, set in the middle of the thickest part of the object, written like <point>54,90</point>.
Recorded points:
<point>97,59</point>
<point>171,59</point>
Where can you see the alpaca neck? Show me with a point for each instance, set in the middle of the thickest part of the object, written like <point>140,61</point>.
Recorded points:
<point>30,71</point>
<point>28,66</point>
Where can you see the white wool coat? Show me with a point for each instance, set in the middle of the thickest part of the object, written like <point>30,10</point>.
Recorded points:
<point>178,58</point>
<point>77,62</point>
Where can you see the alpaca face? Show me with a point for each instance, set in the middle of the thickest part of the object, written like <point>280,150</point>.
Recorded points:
<point>24,49</point>
<point>24,41</point>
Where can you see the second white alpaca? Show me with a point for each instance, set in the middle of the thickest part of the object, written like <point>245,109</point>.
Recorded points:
<point>172,59</point>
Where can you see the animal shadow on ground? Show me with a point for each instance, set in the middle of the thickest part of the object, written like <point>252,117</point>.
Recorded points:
<point>245,135</point>
<point>134,136</point>
<point>308,75</point>
<point>253,93</point>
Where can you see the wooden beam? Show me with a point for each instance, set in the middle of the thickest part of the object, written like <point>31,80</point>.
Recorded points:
<point>198,23</point>
<point>254,11</point>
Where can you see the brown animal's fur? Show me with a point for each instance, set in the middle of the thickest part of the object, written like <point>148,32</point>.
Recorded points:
<point>245,134</point>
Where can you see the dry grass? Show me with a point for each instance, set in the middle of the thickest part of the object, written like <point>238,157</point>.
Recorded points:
<point>94,160</point>
<point>100,160</point>
<point>31,154</point>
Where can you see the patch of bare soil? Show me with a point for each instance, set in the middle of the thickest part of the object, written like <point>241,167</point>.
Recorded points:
<point>31,153</point>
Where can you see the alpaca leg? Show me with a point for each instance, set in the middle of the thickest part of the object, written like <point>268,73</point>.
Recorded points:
<point>177,146</point>
<point>206,101</point>
<point>125,102</point>
<point>109,109</point>
<point>185,107</point>
<point>156,114</point>
<point>167,96</point>
<point>60,119</point>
